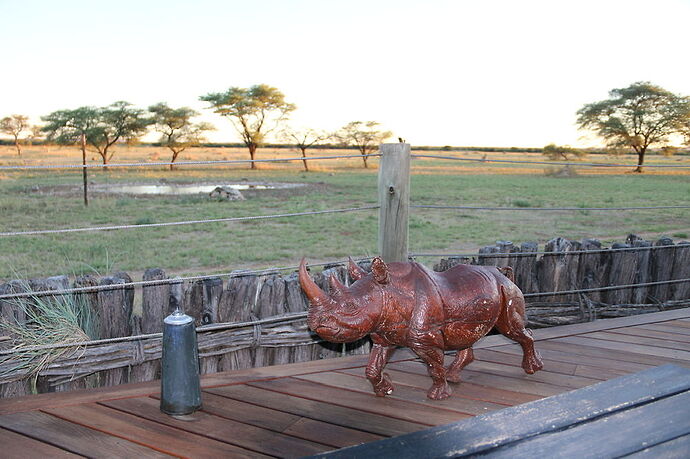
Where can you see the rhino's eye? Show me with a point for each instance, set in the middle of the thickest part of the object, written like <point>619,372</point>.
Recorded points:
<point>349,309</point>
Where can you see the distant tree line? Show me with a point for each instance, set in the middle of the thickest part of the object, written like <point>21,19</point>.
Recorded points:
<point>632,119</point>
<point>255,112</point>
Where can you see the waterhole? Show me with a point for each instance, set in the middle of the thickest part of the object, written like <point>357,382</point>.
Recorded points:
<point>175,189</point>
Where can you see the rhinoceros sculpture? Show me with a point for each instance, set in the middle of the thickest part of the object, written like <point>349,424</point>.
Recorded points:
<point>406,304</point>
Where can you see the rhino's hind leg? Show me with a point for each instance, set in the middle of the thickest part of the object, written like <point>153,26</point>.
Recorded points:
<point>462,358</point>
<point>511,324</point>
<point>377,360</point>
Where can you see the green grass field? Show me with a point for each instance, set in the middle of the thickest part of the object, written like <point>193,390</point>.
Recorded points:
<point>52,199</point>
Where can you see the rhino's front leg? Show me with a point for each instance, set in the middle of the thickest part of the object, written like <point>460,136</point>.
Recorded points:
<point>378,358</point>
<point>433,357</point>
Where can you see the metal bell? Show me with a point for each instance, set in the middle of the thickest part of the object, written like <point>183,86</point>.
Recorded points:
<point>180,388</point>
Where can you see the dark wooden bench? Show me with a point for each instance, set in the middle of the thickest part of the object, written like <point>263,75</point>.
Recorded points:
<point>646,414</point>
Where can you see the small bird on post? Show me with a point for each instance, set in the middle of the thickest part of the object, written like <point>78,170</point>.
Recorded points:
<point>401,140</point>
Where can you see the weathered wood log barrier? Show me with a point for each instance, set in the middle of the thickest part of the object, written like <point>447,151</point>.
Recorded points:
<point>558,270</point>
<point>114,319</point>
<point>681,270</point>
<point>270,308</point>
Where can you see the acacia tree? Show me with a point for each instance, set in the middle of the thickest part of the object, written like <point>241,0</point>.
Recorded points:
<point>14,125</point>
<point>69,127</point>
<point>363,135</point>
<point>636,117</point>
<point>554,151</point>
<point>303,139</point>
<point>118,122</point>
<point>101,127</point>
<point>254,112</point>
<point>177,130</point>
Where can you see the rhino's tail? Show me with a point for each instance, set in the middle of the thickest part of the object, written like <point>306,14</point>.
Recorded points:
<point>508,272</point>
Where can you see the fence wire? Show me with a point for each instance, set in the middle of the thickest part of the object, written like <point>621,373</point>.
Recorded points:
<point>551,253</point>
<point>183,163</point>
<point>187,222</point>
<point>169,281</point>
<point>548,163</point>
<point>420,206</point>
<point>123,339</point>
<point>244,273</point>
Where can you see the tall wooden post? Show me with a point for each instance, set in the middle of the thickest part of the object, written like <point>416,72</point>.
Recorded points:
<point>394,199</point>
<point>83,162</point>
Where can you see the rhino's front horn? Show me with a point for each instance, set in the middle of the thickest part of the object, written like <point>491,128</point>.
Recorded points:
<point>316,296</point>
<point>354,270</point>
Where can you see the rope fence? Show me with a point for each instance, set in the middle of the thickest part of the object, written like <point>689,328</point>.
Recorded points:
<point>319,212</point>
<point>170,281</point>
<point>551,253</point>
<point>548,163</point>
<point>123,339</point>
<point>184,163</point>
<point>187,222</point>
<point>418,206</point>
<point>321,158</point>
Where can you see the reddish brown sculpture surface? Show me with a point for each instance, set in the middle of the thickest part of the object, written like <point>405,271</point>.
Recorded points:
<point>406,304</point>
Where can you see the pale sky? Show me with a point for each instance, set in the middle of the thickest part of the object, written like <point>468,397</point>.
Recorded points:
<point>466,73</point>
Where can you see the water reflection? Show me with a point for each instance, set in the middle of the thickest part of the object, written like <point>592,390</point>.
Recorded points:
<point>189,189</point>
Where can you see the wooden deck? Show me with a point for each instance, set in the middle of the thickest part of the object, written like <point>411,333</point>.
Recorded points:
<point>307,408</point>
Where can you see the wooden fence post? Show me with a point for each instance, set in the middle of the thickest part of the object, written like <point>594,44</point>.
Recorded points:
<point>115,314</point>
<point>394,199</point>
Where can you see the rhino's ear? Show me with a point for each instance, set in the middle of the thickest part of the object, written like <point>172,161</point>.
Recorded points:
<point>380,271</point>
<point>353,269</point>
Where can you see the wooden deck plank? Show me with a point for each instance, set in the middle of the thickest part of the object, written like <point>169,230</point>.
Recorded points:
<point>465,389</point>
<point>55,399</point>
<point>545,375</point>
<point>287,423</point>
<point>679,323</point>
<point>587,327</point>
<point>367,403</point>
<point>494,355</point>
<point>669,355</point>
<point>550,364</point>
<point>637,339</point>
<point>567,353</point>
<point>152,434</point>
<point>221,429</point>
<point>609,324</point>
<point>18,446</point>
<point>497,381</point>
<point>73,437</point>
<point>589,349</point>
<point>404,392</point>
<point>648,333</point>
<point>661,326</point>
<point>322,411</point>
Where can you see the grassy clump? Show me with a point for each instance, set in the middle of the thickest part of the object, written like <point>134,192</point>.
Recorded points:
<point>49,321</point>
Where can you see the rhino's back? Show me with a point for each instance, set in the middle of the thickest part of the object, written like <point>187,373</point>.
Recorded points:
<point>470,293</point>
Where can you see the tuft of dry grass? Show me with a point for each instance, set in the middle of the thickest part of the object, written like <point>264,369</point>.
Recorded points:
<point>49,321</point>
